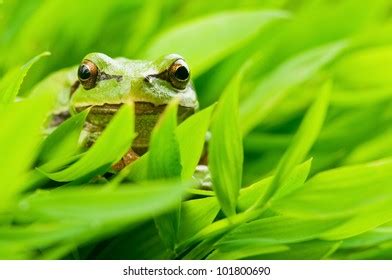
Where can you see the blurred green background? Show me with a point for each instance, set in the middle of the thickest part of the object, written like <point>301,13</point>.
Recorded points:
<point>288,48</point>
<point>361,72</point>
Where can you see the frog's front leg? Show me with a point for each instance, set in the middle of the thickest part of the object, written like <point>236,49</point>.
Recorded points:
<point>203,176</point>
<point>202,173</point>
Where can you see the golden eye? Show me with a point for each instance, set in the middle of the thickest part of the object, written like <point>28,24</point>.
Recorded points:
<point>179,74</point>
<point>87,74</point>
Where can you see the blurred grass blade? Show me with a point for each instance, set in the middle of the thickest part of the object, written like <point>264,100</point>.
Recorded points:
<point>270,232</point>
<point>273,88</point>
<point>225,148</point>
<point>296,179</point>
<point>370,238</point>
<point>192,147</point>
<point>205,41</point>
<point>197,214</point>
<point>376,148</point>
<point>11,82</point>
<point>308,250</point>
<point>341,192</point>
<point>109,148</point>
<point>235,251</point>
<point>128,204</point>
<point>278,230</point>
<point>39,236</point>
<point>362,222</point>
<point>18,122</point>
<point>63,142</point>
<point>301,144</point>
<point>164,161</point>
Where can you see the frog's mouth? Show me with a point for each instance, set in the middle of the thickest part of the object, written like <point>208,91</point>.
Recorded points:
<point>141,108</point>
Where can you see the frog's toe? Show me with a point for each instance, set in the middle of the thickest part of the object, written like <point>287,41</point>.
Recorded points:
<point>203,176</point>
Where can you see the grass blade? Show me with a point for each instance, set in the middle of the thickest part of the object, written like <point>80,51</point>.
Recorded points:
<point>109,148</point>
<point>300,146</point>
<point>225,148</point>
<point>11,82</point>
<point>164,161</point>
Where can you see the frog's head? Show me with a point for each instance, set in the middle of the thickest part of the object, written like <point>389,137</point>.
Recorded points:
<point>105,84</point>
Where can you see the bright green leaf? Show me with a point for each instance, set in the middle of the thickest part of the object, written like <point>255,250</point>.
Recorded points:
<point>340,192</point>
<point>11,82</point>
<point>63,142</point>
<point>300,146</point>
<point>109,148</point>
<point>206,41</point>
<point>225,148</point>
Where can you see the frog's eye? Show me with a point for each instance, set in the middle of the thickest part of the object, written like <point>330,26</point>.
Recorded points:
<point>179,74</point>
<point>87,74</point>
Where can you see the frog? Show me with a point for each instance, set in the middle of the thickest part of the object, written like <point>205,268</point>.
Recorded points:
<point>102,85</point>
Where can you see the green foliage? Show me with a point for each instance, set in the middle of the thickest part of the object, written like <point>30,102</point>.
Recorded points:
<point>206,41</point>
<point>105,151</point>
<point>297,97</point>
<point>225,148</point>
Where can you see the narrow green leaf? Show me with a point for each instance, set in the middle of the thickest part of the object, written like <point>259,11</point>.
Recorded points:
<point>300,146</point>
<point>225,148</point>
<point>249,195</point>
<point>39,236</point>
<point>11,82</point>
<point>353,69</point>
<point>376,148</point>
<point>340,192</point>
<point>109,148</point>
<point>241,251</point>
<point>93,205</point>
<point>197,214</point>
<point>63,142</point>
<point>192,147</point>
<point>308,250</point>
<point>364,221</point>
<point>206,41</point>
<point>164,161</point>
<point>273,88</point>
<point>21,133</point>
<point>370,238</point>
<point>164,153</point>
<point>278,230</point>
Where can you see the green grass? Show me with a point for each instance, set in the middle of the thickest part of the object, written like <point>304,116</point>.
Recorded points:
<point>297,96</point>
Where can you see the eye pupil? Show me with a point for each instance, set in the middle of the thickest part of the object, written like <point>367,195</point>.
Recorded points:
<point>84,72</point>
<point>182,73</point>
